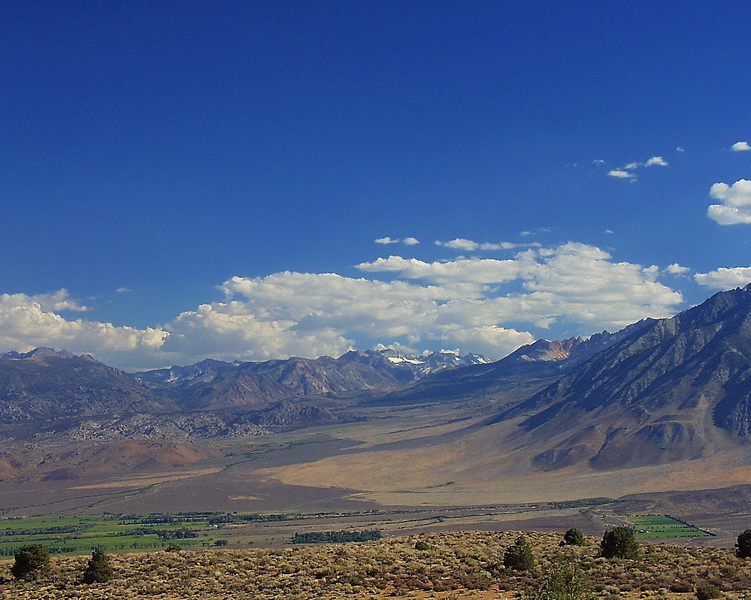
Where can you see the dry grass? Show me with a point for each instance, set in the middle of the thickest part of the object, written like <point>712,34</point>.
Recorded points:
<point>457,565</point>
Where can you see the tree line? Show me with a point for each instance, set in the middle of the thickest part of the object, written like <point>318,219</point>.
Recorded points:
<point>327,537</point>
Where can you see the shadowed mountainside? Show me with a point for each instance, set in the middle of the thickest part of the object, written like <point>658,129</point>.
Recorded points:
<point>676,389</point>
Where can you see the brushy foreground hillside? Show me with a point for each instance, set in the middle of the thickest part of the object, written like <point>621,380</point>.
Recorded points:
<point>455,565</point>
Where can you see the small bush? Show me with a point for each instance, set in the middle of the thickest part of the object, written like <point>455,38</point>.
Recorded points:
<point>619,543</point>
<point>99,569</point>
<point>573,537</point>
<point>32,562</point>
<point>707,591</point>
<point>475,581</point>
<point>743,547</point>
<point>565,582</point>
<point>519,555</point>
<point>422,545</point>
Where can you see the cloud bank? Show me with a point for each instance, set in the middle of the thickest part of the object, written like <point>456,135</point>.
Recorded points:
<point>490,306</point>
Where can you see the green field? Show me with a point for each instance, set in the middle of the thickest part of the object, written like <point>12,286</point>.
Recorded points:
<point>123,533</point>
<point>663,526</point>
<point>148,532</point>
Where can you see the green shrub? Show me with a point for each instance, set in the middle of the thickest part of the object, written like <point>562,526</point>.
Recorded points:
<point>565,582</point>
<point>519,555</point>
<point>573,537</point>
<point>32,562</point>
<point>99,569</point>
<point>707,591</point>
<point>619,543</point>
<point>743,547</point>
<point>422,545</point>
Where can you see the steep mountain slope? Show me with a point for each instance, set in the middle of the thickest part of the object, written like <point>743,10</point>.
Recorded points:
<point>676,389</point>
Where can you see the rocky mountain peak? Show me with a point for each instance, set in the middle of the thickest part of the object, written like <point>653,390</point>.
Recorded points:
<point>41,352</point>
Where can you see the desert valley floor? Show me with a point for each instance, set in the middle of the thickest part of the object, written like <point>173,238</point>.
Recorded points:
<point>405,475</point>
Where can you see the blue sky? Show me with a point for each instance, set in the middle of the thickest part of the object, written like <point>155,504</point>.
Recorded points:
<point>238,180</point>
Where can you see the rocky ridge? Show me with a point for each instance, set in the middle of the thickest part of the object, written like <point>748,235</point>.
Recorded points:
<point>675,389</point>
<point>46,394</point>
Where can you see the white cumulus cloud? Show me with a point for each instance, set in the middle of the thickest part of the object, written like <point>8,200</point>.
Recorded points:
<point>480,305</point>
<point>467,245</point>
<point>573,282</point>
<point>725,278</point>
<point>476,304</point>
<point>27,322</point>
<point>736,203</point>
<point>459,271</point>
<point>56,301</point>
<point>740,147</point>
<point>308,314</point>
<point>408,241</point>
<point>656,161</point>
<point>621,174</point>
<point>676,269</point>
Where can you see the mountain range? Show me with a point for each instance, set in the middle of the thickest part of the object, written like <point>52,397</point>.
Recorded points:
<point>57,393</point>
<point>660,391</point>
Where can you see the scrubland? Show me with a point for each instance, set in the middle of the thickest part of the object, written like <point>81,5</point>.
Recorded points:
<point>455,565</point>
